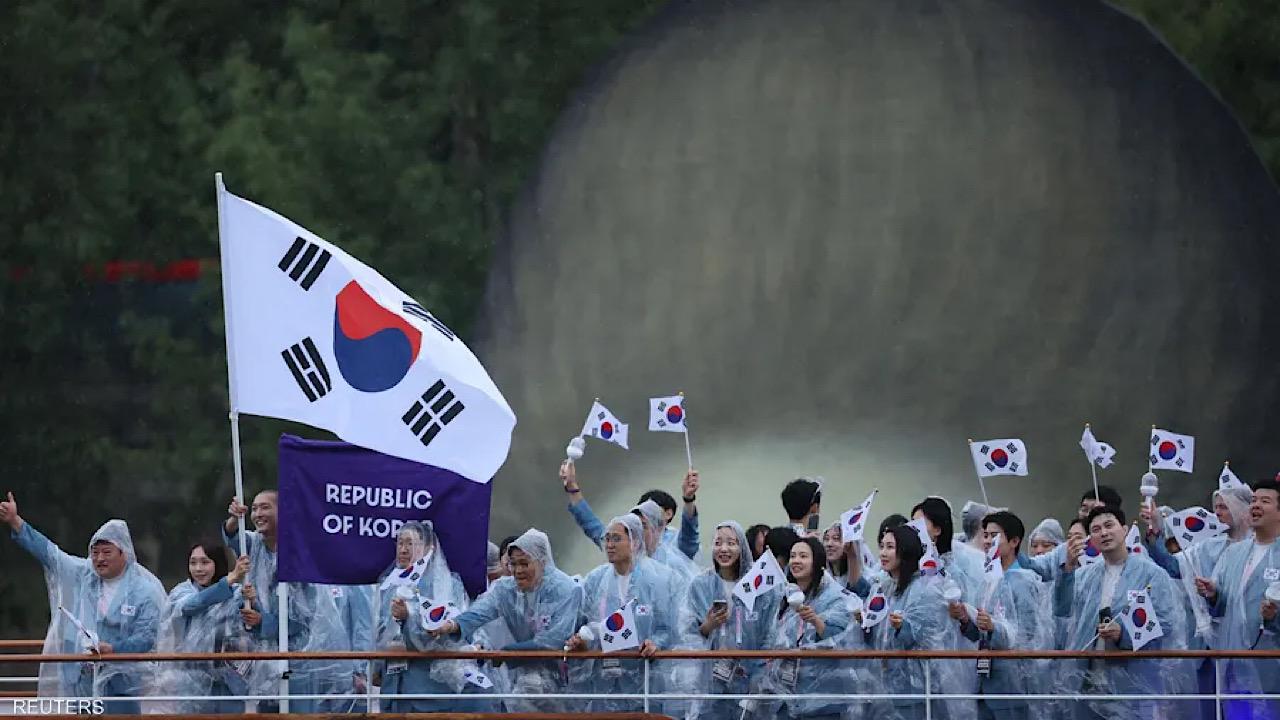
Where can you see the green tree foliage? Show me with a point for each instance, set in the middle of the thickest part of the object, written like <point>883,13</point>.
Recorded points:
<point>1234,45</point>
<point>400,130</point>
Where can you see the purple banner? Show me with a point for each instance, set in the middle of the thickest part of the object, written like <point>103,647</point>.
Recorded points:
<point>341,505</point>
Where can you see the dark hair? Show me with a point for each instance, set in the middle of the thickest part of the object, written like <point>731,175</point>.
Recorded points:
<point>1078,521</point>
<point>819,566</point>
<point>1106,494</point>
<point>893,520</point>
<point>938,512</point>
<point>779,541</point>
<point>1104,510</point>
<point>800,495</point>
<point>754,532</point>
<point>664,500</point>
<point>1009,524</point>
<point>1271,485</point>
<point>909,550</point>
<point>217,552</point>
<point>502,546</point>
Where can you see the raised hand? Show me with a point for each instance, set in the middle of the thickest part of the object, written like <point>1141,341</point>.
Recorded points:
<point>9,513</point>
<point>689,488</point>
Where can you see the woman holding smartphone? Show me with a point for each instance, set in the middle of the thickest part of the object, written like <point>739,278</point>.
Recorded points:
<point>723,622</point>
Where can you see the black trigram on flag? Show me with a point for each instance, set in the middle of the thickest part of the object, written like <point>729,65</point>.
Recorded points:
<point>437,407</point>
<point>416,310</point>
<point>305,269</point>
<point>304,361</point>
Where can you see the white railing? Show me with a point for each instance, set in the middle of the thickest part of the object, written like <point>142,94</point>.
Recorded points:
<point>647,697</point>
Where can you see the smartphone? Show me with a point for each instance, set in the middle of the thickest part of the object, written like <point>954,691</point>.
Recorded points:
<point>813,523</point>
<point>719,606</point>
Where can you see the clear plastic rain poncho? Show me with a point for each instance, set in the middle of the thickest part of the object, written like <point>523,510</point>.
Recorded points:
<point>436,586</point>
<point>746,629</point>
<point>1049,530</point>
<point>666,553</point>
<point>971,516</point>
<point>314,626</point>
<point>925,626</point>
<point>203,620</point>
<point>123,612</point>
<point>656,595</point>
<point>1201,559</point>
<point>540,619</point>
<point>1079,594</point>
<point>1241,578</point>
<point>1022,613</point>
<point>785,676</point>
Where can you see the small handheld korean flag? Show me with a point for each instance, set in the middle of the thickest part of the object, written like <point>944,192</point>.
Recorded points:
<point>618,631</point>
<point>922,532</point>
<point>666,414</point>
<point>1090,555</point>
<point>1171,451</point>
<point>1098,453</point>
<point>764,576</point>
<point>1194,524</point>
<point>436,614</point>
<point>604,425</point>
<point>1133,541</point>
<point>999,457</point>
<point>853,522</point>
<point>875,609</point>
<point>992,568</point>
<point>931,562</point>
<point>408,576</point>
<point>1228,480</point>
<point>477,678</point>
<point>1140,619</point>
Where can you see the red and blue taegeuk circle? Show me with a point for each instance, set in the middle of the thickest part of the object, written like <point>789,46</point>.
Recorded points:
<point>675,414</point>
<point>1167,450</point>
<point>876,604</point>
<point>374,347</point>
<point>853,520</point>
<point>1194,524</point>
<point>606,429</point>
<point>1091,550</point>
<point>999,457</point>
<point>1139,617</point>
<point>615,622</point>
<point>756,583</point>
<point>436,614</point>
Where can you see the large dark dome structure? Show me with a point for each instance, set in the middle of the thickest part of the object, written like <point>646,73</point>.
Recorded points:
<point>857,233</point>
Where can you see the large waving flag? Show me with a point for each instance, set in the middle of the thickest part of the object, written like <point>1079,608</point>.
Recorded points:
<point>1171,451</point>
<point>318,337</point>
<point>1097,452</point>
<point>604,425</point>
<point>999,457</point>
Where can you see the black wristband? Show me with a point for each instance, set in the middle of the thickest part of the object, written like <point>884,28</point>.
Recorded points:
<point>574,491</point>
<point>690,499</point>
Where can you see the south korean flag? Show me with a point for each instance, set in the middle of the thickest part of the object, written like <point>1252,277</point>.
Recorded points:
<point>666,414</point>
<point>618,630</point>
<point>854,521</point>
<point>765,575</point>
<point>1194,525</point>
<point>999,457</point>
<point>436,614</point>
<point>1171,451</point>
<point>318,337</point>
<point>875,609</point>
<point>1228,480</point>
<point>603,425</point>
<point>1140,619</point>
